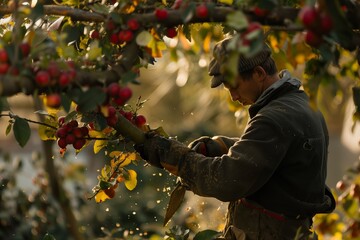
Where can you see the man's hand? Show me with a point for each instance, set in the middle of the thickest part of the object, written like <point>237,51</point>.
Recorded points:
<point>149,150</point>
<point>162,152</point>
<point>210,147</point>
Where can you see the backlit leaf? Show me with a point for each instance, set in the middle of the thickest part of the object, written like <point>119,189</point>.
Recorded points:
<point>8,129</point>
<point>22,131</point>
<point>131,180</point>
<point>106,171</point>
<point>101,196</point>
<point>143,38</point>
<point>94,50</point>
<point>229,2</point>
<point>98,145</point>
<point>237,20</point>
<point>45,132</point>
<point>122,159</point>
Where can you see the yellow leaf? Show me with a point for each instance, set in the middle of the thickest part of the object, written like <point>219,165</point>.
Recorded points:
<point>94,134</point>
<point>207,43</point>
<point>98,145</point>
<point>229,2</point>
<point>101,196</point>
<point>94,50</point>
<point>122,158</point>
<point>156,47</point>
<point>131,180</point>
<point>45,132</point>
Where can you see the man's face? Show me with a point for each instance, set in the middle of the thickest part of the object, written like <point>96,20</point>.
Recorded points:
<point>245,91</point>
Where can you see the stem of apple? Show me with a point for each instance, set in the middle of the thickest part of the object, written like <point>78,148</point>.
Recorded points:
<point>127,129</point>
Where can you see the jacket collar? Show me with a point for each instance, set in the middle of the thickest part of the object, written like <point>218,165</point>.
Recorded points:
<point>285,82</point>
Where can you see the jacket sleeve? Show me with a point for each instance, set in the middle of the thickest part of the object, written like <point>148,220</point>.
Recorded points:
<point>247,166</point>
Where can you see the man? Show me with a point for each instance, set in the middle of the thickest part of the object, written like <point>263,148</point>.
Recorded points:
<point>274,174</point>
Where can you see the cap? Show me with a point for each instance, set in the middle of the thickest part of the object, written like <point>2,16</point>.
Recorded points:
<point>244,63</point>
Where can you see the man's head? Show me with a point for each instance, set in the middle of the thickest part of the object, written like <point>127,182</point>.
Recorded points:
<point>254,74</point>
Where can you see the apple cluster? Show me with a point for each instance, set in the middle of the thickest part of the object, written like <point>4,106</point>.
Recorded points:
<point>6,66</point>
<point>71,133</point>
<point>119,34</point>
<point>55,76</point>
<point>317,24</point>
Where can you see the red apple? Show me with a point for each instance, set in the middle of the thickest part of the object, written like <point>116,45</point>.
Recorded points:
<point>53,70</point>
<point>313,39</point>
<point>161,14</point>
<point>25,49</point>
<point>53,100</point>
<point>114,38</point>
<point>113,89</point>
<point>309,17</point>
<point>79,143</point>
<point>171,32</point>
<point>64,79</point>
<point>42,78</point>
<point>125,93</point>
<point>94,34</point>
<point>4,67</point>
<point>133,24</point>
<point>140,120</point>
<point>326,23</point>
<point>260,12</point>
<point>125,35</point>
<point>62,143</point>
<point>3,56</point>
<point>201,11</point>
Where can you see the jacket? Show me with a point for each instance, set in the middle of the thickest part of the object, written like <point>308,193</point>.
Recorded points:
<point>279,162</point>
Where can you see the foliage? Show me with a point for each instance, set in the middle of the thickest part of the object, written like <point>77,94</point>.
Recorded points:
<point>81,57</point>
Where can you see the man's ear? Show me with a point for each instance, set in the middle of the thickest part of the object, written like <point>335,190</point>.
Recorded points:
<point>259,73</point>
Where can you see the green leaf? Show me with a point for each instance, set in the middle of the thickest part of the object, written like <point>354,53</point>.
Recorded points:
<point>65,102</point>
<point>36,12</point>
<point>8,128</point>
<point>207,235</point>
<point>104,185</point>
<point>48,237</point>
<point>22,131</point>
<point>237,20</point>
<point>91,99</point>
<point>100,8</point>
<point>129,77</point>
<point>188,14</point>
<point>176,198</point>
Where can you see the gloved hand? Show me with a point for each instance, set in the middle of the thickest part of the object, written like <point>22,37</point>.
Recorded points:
<point>149,150</point>
<point>162,152</point>
<point>210,147</point>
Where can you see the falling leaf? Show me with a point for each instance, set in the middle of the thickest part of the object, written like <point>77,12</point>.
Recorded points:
<point>131,180</point>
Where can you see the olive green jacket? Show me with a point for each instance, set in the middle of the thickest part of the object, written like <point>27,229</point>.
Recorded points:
<point>279,162</point>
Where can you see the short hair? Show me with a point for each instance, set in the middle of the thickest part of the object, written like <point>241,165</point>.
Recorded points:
<point>268,65</point>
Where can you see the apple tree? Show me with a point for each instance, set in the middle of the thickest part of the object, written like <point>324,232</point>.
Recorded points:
<point>80,59</point>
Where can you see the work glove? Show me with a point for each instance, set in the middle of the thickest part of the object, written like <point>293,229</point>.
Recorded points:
<point>209,146</point>
<point>162,152</point>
